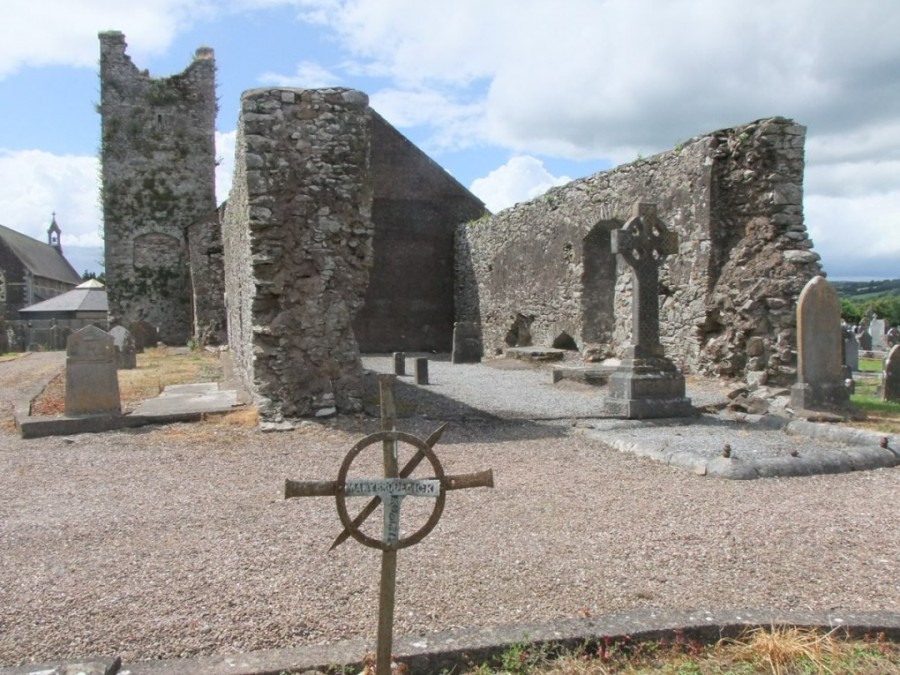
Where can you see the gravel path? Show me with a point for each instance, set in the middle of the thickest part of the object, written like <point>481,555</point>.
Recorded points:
<point>174,541</point>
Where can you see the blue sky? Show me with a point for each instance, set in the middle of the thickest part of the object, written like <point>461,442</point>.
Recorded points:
<point>510,96</point>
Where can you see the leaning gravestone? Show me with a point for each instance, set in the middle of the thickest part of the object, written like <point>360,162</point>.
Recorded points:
<point>126,353</point>
<point>820,382</point>
<point>646,384</point>
<point>92,385</point>
<point>890,386</point>
<point>466,342</point>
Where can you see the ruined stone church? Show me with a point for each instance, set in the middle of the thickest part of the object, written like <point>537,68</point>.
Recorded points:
<point>340,237</point>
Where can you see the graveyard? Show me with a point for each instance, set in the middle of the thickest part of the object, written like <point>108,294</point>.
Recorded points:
<point>624,408</point>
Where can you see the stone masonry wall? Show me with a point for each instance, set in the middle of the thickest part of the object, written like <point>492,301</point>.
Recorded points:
<point>543,272</point>
<point>158,159</point>
<point>298,247</point>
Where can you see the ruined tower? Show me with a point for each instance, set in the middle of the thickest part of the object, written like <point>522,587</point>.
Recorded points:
<point>158,162</point>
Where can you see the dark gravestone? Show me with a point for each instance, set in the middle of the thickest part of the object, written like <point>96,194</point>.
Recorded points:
<point>891,385</point>
<point>466,342</point>
<point>647,384</point>
<point>126,352</point>
<point>145,335</point>
<point>851,349</point>
<point>820,382</point>
<point>92,385</point>
<point>422,370</point>
<point>399,363</point>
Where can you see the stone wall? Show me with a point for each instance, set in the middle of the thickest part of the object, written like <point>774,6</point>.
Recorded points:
<point>542,272</point>
<point>298,248</point>
<point>158,168</point>
<point>207,265</point>
<point>409,304</point>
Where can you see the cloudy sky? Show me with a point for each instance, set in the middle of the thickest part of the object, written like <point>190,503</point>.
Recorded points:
<point>510,96</point>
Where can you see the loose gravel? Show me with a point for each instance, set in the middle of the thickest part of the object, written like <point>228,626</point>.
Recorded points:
<point>175,541</point>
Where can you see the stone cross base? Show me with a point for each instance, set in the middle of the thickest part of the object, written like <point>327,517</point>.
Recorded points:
<point>833,396</point>
<point>647,388</point>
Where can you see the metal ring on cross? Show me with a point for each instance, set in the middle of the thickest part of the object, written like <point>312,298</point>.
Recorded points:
<point>341,492</point>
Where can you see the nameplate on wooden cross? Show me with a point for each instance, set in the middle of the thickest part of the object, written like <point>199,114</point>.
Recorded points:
<point>392,487</point>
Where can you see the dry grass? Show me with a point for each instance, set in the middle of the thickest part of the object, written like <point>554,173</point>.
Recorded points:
<point>779,650</point>
<point>157,368</point>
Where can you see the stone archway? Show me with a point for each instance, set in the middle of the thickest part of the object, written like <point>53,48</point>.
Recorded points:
<point>598,284</point>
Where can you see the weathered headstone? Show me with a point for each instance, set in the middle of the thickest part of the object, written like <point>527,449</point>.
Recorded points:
<point>851,349</point>
<point>864,338</point>
<point>877,329</point>
<point>421,370</point>
<point>466,342</point>
<point>145,335</point>
<point>646,384</point>
<point>92,385</point>
<point>890,385</point>
<point>892,336</point>
<point>126,353</point>
<point>820,382</point>
<point>389,492</point>
<point>399,363</point>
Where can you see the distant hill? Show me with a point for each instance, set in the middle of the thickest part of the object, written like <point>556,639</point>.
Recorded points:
<point>866,290</point>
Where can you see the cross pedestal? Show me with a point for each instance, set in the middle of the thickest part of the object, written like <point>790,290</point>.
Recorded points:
<point>646,384</point>
<point>389,492</point>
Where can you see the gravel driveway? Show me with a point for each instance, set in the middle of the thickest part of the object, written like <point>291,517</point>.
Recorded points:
<point>171,541</point>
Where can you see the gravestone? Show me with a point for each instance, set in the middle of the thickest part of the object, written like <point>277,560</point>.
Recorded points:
<point>646,384</point>
<point>877,330</point>
<point>892,337</point>
<point>820,382</point>
<point>126,352</point>
<point>851,350</point>
<point>863,337</point>
<point>890,385</point>
<point>92,385</point>
<point>145,335</point>
<point>399,363</point>
<point>421,375</point>
<point>466,342</point>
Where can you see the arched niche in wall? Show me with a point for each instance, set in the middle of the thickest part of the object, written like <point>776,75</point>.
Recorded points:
<point>598,282</point>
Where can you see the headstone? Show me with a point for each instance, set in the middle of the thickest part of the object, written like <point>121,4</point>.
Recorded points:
<point>466,342</point>
<point>92,385</point>
<point>851,350</point>
<point>399,363</point>
<point>864,339</point>
<point>646,384</point>
<point>145,335</point>
<point>126,352</point>
<point>877,330</point>
<point>820,382</point>
<point>422,370</point>
<point>389,491</point>
<point>890,385</point>
<point>893,337</point>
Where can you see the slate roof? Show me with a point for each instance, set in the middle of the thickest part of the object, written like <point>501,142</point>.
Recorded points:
<point>87,297</point>
<point>41,259</point>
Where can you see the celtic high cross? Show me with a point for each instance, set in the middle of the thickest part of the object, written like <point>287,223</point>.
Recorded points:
<point>643,241</point>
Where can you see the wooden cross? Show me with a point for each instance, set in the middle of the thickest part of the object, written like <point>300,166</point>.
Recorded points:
<point>643,241</point>
<point>389,491</point>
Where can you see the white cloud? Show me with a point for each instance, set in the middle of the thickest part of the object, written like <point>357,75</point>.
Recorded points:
<point>62,32</point>
<point>34,184</point>
<point>520,179</point>
<point>309,75</point>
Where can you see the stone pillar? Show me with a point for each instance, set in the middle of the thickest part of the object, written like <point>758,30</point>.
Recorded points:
<point>422,370</point>
<point>298,248</point>
<point>399,363</point>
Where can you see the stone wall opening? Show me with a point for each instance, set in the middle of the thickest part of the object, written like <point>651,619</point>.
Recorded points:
<point>599,284</point>
<point>519,333</point>
<point>565,341</point>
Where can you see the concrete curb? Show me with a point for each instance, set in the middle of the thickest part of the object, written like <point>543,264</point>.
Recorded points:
<point>458,649</point>
<point>868,450</point>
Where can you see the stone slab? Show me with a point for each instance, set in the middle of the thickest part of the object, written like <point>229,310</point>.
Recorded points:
<point>535,353</point>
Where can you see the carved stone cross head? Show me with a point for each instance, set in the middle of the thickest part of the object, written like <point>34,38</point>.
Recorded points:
<point>643,240</point>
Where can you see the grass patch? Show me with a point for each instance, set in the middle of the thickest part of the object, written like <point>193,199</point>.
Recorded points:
<point>870,365</point>
<point>777,650</point>
<point>157,368</point>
